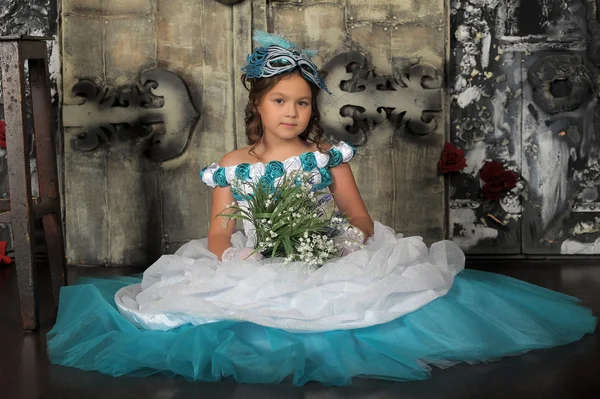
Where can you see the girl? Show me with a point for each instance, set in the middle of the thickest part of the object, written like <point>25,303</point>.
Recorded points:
<point>282,119</point>
<point>213,310</point>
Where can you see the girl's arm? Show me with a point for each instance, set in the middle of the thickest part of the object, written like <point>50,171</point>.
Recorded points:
<point>348,199</point>
<point>221,228</point>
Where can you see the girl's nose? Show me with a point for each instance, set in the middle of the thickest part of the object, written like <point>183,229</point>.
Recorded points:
<point>291,110</point>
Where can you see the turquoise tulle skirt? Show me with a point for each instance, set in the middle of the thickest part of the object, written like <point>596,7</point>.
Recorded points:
<point>483,317</point>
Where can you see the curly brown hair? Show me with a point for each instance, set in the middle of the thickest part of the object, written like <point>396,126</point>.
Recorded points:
<point>257,89</point>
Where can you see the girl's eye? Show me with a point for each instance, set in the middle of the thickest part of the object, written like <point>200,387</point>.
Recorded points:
<point>278,101</point>
<point>302,103</point>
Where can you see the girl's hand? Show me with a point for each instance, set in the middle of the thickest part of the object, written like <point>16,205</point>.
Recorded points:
<point>350,241</point>
<point>246,254</point>
<point>232,254</point>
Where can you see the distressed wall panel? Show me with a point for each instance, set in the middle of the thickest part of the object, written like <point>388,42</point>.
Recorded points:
<point>134,230</point>
<point>129,47</point>
<point>246,17</point>
<point>108,45</point>
<point>560,129</point>
<point>157,205</point>
<point>525,95</point>
<point>186,200</point>
<point>486,122</point>
<point>103,7</point>
<point>392,163</point>
<point>133,199</point>
<point>82,58</point>
<point>561,149</point>
<point>86,205</point>
<point>426,12</point>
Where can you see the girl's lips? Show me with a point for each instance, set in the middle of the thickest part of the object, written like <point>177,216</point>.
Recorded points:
<point>288,124</point>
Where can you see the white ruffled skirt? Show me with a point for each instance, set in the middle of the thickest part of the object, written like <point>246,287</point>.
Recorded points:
<point>390,277</point>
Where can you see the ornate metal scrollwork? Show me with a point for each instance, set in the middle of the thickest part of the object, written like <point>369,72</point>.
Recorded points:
<point>561,83</point>
<point>361,100</point>
<point>157,113</point>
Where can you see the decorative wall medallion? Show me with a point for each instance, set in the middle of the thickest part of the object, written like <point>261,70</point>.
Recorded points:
<point>156,113</point>
<point>361,100</point>
<point>561,83</point>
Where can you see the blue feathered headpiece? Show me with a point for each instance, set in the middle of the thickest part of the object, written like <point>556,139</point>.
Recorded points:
<point>275,55</point>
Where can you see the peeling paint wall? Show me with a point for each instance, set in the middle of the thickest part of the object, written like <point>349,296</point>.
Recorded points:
<point>524,83</point>
<point>30,18</point>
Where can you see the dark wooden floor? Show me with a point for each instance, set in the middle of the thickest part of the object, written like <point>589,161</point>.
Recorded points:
<point>572,371</point>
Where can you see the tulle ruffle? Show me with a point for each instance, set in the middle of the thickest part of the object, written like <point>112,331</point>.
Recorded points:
<point>484,316</point>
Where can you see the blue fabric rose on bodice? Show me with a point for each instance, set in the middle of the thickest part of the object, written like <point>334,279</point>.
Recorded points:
<point>274,170</point>
<point>220,178</point>
<point>309,161</point>
<point>335,157</point>
<point>242,171</point>
<point>326,179</point>
<point>267,183</point>
<point>202,172</point>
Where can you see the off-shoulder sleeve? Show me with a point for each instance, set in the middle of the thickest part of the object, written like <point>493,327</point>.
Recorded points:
<point>217,176</point>
<point>342,152</point>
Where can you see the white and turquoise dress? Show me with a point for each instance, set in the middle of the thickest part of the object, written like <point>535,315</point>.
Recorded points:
<point>389,310</point>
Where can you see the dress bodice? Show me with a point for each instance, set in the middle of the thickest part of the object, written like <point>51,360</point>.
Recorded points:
<point>316,162</point>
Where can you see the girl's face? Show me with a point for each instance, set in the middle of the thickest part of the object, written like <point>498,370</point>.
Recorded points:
<point>285,110</point>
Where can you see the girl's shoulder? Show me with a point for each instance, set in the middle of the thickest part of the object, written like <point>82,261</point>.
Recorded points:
<point>236,157</point>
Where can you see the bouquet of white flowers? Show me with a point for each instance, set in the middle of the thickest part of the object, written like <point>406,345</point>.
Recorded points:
<point>290,220</point>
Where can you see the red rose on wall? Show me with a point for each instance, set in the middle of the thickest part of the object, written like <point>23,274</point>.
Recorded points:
<point>497,180</point>
<point>452,160</point>
<point>2,134</point>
